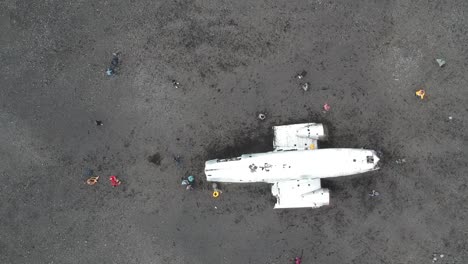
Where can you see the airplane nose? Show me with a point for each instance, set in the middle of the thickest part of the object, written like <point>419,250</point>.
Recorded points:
<point>376,160</point>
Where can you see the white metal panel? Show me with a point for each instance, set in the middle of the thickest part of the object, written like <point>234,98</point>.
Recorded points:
<point>300,193</point>
<point>298,136</point>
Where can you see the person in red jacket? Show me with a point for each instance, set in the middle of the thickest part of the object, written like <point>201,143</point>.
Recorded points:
<point>114,181</point>
<point>297,260</point>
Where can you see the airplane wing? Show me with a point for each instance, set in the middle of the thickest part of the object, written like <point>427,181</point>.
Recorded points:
<point>300,193</point>
<point>298,136</point>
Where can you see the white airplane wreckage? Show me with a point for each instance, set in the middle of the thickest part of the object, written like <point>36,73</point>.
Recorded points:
<point>295,166</point>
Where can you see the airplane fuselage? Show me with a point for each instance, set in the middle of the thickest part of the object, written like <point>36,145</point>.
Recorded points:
<point>277,166</point>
